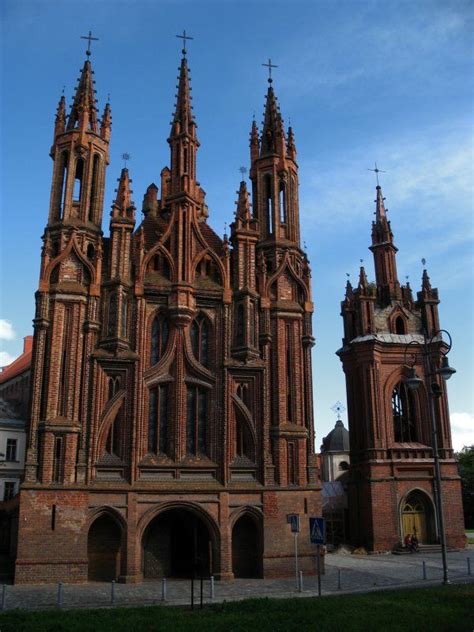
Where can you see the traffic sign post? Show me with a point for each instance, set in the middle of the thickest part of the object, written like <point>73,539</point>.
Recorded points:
<point>317,534</point>
<point>294,521</point>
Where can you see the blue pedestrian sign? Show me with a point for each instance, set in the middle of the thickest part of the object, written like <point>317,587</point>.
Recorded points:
<point>317,530</point>
<point>294,521</point>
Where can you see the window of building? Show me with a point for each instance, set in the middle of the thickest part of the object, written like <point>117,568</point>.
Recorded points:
<point>403,410</point>
<point>78,178</point>
<point>400,326</point>
<point>282,202</point>
<point>269,203</point>
<point>196,421</point>
<point>9,490</point>
<point>158,419</point>
<point>114,443</point>
<point>200,340</point>
<point>291,464</point>
<point>94,187</point>
<point>159,339</point>
<point>11,450</point>
<point>57,459</point>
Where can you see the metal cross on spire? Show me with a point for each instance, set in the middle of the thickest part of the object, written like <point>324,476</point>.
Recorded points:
<point>125,158</point>
<point>184,37</point>
<point>377,171</point>
<point>90,39</point>
<point>270,66</point>
<point>243,171</point>
<point>337,409</point>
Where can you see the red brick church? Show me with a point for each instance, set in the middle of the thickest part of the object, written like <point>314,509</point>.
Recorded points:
<point>172,411</point>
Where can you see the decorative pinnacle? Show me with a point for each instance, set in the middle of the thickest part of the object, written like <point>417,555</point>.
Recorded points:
<point>270,66</point>
<point>377,171</point>
<point>184,37</point>
<point>90,39</point>
<point>337,409</point>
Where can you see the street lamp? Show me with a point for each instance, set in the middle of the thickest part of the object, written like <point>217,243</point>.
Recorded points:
<point>434,392</point>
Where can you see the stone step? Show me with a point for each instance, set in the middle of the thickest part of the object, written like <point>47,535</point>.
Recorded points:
<point>423,548</point>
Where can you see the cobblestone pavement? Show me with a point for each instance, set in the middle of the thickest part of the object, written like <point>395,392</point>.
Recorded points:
<point>355,574</point>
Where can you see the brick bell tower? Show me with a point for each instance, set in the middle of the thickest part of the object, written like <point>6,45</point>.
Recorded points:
<point>172,418</point>
<point>391,488</point>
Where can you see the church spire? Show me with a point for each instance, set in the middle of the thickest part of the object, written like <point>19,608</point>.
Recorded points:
<point>183,140</point>
<point>60,121</point>
<point>273,134</point>
<point>291,147</point>
<point>106,122</point>
<point>83,113</point>
<point>243,204</point>
<point>123,205</point>
<point>384,251</point>
<point>380,212</point>
<point>254,143</point>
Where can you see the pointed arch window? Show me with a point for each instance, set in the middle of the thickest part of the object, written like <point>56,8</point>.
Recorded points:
<point>159,339</point>
<point>282,202</point>
<point>61,194</point>
<point>158,419</point>
<point>404,414</point>
<point>78,180</point>
<point>244,443</point>
<point>196,421</point>
<point>269,203</point>
<point>400,326</point>
<point>94,187</point>
<point>200,340</point>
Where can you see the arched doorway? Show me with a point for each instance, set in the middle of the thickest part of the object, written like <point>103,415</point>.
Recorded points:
<point>246,548</point>
<point>417,517</point>
<point>177,543</point>
<point>104,549</point>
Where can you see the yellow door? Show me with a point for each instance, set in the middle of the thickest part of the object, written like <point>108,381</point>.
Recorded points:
<point>414,520</point>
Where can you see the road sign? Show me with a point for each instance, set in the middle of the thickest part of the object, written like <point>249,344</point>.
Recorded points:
<point>317,530</point>
<point>294,521</point>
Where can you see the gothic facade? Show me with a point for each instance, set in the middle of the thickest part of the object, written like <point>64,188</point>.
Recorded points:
<point>392,473</point>
<point>171,400</point>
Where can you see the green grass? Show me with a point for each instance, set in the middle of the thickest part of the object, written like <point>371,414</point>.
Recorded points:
<point>444,608</point>
<point>470,536</point>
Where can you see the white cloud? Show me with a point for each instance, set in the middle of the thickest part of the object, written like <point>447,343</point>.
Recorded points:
<point>462,430</point>
<point>6,358</point>
<point>6,330</point>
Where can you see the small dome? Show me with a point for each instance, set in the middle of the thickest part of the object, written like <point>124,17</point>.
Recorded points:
<point>337,440</point>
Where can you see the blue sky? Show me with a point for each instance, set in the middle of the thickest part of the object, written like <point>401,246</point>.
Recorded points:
<point>386,81</point>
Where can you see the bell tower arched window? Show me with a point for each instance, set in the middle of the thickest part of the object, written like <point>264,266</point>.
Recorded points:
<point>200,340</point>
<point>404,414</point>
<point>159,339</point>
<point>269,203</point>
<point>400,326</point>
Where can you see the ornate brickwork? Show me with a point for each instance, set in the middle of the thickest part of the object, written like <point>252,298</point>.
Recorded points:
<point>171,374</point>
<point>390,430</point>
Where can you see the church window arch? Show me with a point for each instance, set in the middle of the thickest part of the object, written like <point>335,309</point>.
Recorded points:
<point>159,338</point>
<point>114,386</point>
<point>282,202</point>
<point>400,327</point>
<point>159,263</point>
<point>289,368</point>
<point>90,252</point>
<point>158,405</point>
<point>200,336</point>
<point>78,180</point>
<point>114,441</point>
<point>404,414</point>
<point>61,194</point>
<point>196,420</point>
<point>94,187</point>
<point>269,202</point>
<point>207,269</point>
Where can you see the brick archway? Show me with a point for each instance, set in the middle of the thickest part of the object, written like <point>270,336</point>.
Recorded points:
<point>178,542</point>
<point>247,546</point>
<point>104,549</point>
<point>417,517</point>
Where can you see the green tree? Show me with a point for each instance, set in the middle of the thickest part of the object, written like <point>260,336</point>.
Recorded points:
<point>465,460</point>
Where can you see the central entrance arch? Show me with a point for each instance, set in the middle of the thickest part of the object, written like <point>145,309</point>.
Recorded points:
<point>247,547</point>
<point>177,543</point>
<point>417,517</point>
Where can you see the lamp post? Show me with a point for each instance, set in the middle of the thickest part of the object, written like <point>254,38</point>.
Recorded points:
<point>434,392</point>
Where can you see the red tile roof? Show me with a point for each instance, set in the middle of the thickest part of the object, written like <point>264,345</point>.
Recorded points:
<point>21,364</point>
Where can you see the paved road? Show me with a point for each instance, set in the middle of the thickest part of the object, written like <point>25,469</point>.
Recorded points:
<point>356,574</point>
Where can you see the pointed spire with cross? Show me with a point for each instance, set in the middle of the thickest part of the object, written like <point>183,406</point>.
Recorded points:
<point>377,171</point>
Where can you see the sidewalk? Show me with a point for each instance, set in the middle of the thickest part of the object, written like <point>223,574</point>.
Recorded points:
<point>356,574</point>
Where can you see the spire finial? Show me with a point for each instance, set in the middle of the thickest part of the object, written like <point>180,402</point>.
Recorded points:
<point>243,171</point>
<point>184,37</point>
<point>125,158</point>
<point>89,39</point>
<point>423,262</point>
<point>337,409</point>
<point>377,171</point>
<point>269,65</point>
